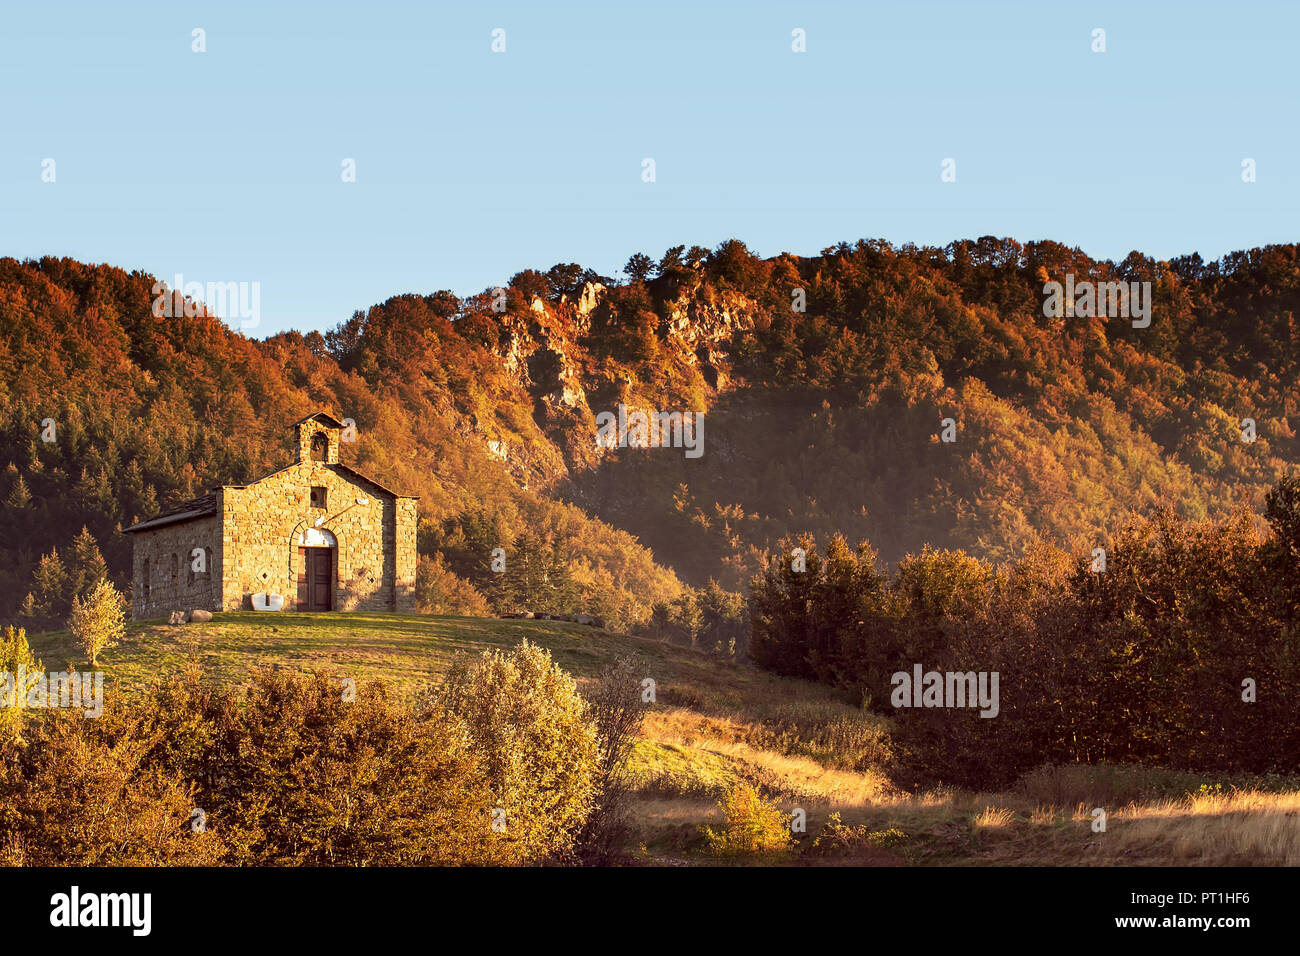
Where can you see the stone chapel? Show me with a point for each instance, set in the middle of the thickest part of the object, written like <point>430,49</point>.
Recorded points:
<point>320,535</point>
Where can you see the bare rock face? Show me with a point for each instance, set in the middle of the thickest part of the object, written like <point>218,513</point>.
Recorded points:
<point>590,297</point>
<point>198,614</point>
<point>544,353</point>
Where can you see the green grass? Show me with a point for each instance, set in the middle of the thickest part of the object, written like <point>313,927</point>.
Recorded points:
<point>408,651</point>
<point>667,770</point>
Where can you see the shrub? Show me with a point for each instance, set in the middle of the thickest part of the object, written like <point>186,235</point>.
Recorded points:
<point>1153,662</point>
<point>303,775</point>
<point>98,621</point>
<point>75,793</point>
<point>536,741</point>
<point>618,711</point>
<point>724,629</point>
<point>15,657</point>
<point>836,837</point>
<point>299,771</point>
<point>292,774</point>
<point>751,826</point>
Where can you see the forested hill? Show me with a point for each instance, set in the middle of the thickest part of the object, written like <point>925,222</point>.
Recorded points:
<point>825,419</point>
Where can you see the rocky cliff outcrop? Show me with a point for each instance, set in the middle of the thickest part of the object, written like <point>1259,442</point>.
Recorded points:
<point>551,351</point>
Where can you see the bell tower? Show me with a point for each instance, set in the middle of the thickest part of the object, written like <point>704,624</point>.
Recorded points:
<point>318,438</point>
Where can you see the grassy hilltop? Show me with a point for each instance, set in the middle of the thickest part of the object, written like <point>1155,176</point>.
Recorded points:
<point>715,724</point>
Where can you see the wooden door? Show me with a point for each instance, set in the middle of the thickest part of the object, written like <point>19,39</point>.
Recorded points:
<point>322,579</point>
<point>316,579</point>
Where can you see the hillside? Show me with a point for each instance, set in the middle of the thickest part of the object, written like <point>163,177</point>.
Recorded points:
<point>714,724</point>
<point>149,411</point>
<point>820,420</point>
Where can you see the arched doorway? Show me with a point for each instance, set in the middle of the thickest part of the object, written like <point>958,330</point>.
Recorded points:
<point>317,570</point>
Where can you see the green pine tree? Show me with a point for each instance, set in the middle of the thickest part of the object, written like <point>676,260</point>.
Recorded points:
<point>87,567</point>
<point>51,586</point>
<point>19,495</point>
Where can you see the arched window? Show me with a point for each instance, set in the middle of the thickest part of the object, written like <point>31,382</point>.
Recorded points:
<point>320,446</point>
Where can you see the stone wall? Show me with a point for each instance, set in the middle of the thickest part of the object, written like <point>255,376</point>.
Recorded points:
<point>172,584</point>
<point>405,554</point>
<point>263,521</point>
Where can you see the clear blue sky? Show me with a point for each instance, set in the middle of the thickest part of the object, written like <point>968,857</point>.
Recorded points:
<point>225,166</point>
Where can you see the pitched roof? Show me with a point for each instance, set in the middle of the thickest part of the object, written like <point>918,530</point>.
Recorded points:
<point>206,505</point>
<point>322,417</point>
<point>384,488</point>
<point>203,506</point>
<point>341,467</point>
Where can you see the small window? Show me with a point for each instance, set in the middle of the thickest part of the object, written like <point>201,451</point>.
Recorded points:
<point>320,446</point>
<point>318,496</point>
<point>145,582</point>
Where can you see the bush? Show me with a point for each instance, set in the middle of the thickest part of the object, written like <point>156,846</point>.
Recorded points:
<point>618,711</point>
<point>303,775</point>
<point>1155,661</point>
<point>678,621</point>
<point>724,629</point>
<point>536,741</point>
<point>15,657</point>
<point>752,825</point>
<point>75,793</point>
<point>836,838</point>
<point>99,620</point>
<point>301,771</point>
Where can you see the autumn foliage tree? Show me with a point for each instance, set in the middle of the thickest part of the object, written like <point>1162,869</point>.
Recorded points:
<point>98,620</point>
<point>1181,652</point>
